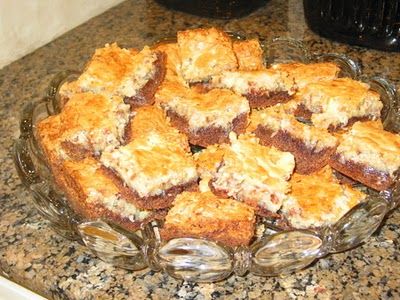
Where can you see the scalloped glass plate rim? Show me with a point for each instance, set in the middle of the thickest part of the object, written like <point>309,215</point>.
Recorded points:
<point>146,241</point>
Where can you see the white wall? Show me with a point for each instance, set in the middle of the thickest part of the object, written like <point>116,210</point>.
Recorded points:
<point>25,25</point>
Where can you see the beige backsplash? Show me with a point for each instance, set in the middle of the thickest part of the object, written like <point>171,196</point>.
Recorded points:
<point>25,25</point>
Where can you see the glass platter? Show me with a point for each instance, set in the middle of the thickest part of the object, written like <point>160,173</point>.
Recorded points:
<point>274,251</point>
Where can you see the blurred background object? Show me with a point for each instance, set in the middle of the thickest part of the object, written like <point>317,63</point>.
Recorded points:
<point>368,23</point>
<point>219,9</point>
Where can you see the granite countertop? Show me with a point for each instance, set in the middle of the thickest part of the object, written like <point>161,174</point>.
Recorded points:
<point>33,255</point>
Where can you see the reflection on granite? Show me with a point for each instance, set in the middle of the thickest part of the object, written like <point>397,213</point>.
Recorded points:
<point>32,254</point>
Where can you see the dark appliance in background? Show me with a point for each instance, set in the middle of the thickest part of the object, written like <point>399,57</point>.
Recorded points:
<point>368,23</point>
<point>218,9</point>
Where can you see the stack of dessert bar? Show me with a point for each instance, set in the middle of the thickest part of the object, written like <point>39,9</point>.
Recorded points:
<point>273,139</point>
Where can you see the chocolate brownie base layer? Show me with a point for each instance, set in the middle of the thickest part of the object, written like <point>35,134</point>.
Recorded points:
<point>210,135</point>
<point>230,234</point>
<point>260,100</point>
<point>145,96</point>
<point>161,201</point>
<point>304,114</point>
<point>127,138</point>
<point>343,179</point>
<point>365,174</point>
<point>306,158</point>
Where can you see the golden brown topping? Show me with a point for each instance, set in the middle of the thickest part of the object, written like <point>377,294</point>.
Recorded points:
<point>205,215</point>
<point>203,91</point>
<point>217,107</point>
<point>48,132</point>
<point>118,71</point>
<point>248,82</point>
<point>318,199</point>
<point>194,204</point>
<point>335,102</point>
<point>205,52</point>
<point>91,122</point>
<point>88,175</point>
<point>151,164</point>
<point>254,173</point>
<point>302,74</point>
<point>94,187</point>
<point>94,121</point>
<point>152,118</point>
<point>173,62</point>
<point>209,159</point>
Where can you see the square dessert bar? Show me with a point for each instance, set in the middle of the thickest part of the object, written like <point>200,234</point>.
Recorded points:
<point>88,125</point>
<point>204,215</point>
<point>299,74</point>
<point>153,169</point>
<point>205,52</point>
<point>318,200</point>
<point>254,174</point>
<point>337,103</point>
<point>249,54</point>
<point>312,147</point>
<point>129,74</point>
<point>368,154</point>
<point>262,88</point>
<point>146,119</point>
<point>206,118</point>
<point>93,195</point>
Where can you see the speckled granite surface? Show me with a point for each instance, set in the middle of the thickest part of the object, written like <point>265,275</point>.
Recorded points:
<point>35,256</point>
